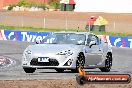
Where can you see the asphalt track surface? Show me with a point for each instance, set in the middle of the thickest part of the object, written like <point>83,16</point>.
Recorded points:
<point>122,64</point>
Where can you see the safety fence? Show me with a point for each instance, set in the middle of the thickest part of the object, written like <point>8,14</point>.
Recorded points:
<point>116,41</point>
<point>61,23</point>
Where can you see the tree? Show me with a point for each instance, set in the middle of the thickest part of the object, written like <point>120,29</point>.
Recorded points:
<point>22,3</point>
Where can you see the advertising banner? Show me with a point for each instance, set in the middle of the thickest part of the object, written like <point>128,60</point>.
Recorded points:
<point>22,35</point>
<point>115,41</point>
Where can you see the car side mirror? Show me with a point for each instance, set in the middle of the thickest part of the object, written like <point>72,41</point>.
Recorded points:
<point>38,41</point>
<point>92,43</point>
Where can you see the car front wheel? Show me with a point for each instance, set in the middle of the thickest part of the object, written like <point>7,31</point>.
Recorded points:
<point>80,62</point>
<point>108,64</point>
<point>29,70</point>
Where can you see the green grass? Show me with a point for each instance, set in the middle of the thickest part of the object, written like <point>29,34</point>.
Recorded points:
<point>112,33</point>
<point>35,29</point>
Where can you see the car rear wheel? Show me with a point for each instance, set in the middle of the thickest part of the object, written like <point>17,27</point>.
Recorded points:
<point>80,62</point>
<point>108,64</point>
<point>60,70</point>
<point>29,70</point>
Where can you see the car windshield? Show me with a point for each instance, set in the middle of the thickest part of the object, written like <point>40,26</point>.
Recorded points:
<point>65,38</point>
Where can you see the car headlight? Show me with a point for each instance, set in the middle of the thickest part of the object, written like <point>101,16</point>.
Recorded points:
<point>67,52</point>
<point>28,52</point>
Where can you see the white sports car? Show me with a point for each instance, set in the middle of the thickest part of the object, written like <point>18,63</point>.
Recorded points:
<point>68,50</point>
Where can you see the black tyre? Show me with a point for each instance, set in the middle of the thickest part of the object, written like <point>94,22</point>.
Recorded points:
<point>79,63</point>
<point>108,64</point>
<point>81,80</point>
<point>60,70</point>
<point>29,70</point>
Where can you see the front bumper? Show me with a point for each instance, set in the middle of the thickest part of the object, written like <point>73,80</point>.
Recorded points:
<point>50,67</point>
<point>54,62</point>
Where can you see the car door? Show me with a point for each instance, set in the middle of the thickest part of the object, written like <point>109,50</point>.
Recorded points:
<point>93,54</point>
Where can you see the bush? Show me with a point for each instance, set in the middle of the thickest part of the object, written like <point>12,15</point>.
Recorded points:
<point>11,7</point>
<point>53,4</point>
<point>43,6</point>
<point>22,3</point>
<point>56,5</point>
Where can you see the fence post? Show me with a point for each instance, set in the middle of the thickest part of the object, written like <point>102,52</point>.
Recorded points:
<point>5,19</point>
<point>22,21</point>
<point>0,19</point>
<point>114,25</point>
<point>43,22</point>
<point>66,23</point>
<point>89,26</point>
